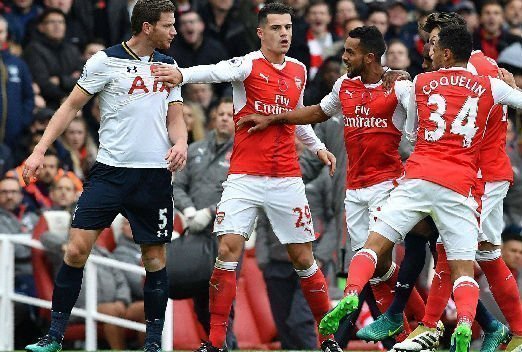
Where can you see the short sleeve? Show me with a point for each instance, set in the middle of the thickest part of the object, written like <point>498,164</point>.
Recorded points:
<point>331,104</point>
<point>95,74</point>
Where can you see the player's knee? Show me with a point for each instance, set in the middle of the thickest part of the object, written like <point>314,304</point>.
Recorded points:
<point>153,257</point>
<point>302,260</point>
<point>76,254</point>
<point>229,251</point>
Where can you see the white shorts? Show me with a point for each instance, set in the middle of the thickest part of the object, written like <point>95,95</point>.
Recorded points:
<point>360,206</point>
<point>282,198</point>
<point>454,215</point>
<point>491,216</point>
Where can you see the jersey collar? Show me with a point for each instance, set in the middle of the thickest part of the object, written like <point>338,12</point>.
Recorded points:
<point>133,54</point>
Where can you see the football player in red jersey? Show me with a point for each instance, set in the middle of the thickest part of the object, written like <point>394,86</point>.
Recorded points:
<point>373,118</point>
<point>264,171</point>
<point>439,175</point>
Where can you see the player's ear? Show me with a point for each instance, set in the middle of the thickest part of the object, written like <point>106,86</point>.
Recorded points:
<point>259,32</point>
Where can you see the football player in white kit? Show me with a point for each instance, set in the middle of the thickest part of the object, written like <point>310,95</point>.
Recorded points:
<point>143,138</point>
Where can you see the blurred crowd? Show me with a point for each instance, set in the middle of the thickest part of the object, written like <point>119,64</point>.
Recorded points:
<point>45,43</point>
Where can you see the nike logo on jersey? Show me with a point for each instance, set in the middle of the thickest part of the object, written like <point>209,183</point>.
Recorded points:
<point>263,76</point>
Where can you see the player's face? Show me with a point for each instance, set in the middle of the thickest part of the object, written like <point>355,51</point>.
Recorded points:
<point>63,193</point>
<point>438,56</point>
<point>427,63</point>
<point>276,33</point>
<point>353,57</point>
<point>433,38</point>
<point>225,119</point>
<point>163,32</point>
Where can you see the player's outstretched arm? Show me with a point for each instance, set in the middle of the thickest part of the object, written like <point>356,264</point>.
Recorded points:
<point>302,116</point>
<point>177,155</point>
<point>58,123</point>
<point>506,93</point>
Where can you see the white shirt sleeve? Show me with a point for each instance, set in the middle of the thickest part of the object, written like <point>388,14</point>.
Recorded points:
<point>306,134</point>
<point>504,94</point>
<point>403,90</point>
<point>412,122</point>
<point>236,69</point>
<point>331,104</point>
<point>95,74</point>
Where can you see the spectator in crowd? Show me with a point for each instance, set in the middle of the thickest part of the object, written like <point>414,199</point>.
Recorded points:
<point>127,251</point>
<point>510,59</point>
<point>425,6</point>
<point>113,293</point>
<point>512,255</point>
<point>55,64</point>
<point>195,121</point>
<point>352,24</point>
<point>37,126</point>
<point>108,20</point>
<point>513,15</point>
<point>39,101</point>
<point>299,7</point>
<point>20,16</point>
<point>468,11</point>
<point>78,30</point>
<point>293,317</point>
<point>16,93</point>
<point>399,26</point>
<point>378,17</point>
<point>323,82</point>
<point>197,190</point>
<point>220,22</point>
<point>318,36</point>
<point>193,47</point>
<point>246,40</point>
<point>491,38</point>
<point>397,56</point>
<point>15,218</point>
<point>344,10</point>
<point>201,93</point>
<point>6,159</point>
<point>91,48</point>
<point>77,140</point>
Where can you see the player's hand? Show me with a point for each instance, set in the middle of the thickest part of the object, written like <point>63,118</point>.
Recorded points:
<point>389,77</point>
<point>32,166</point>
<point>177,157</point>
<point>258,122</point>
<point>328,159</point>
<point>507,77</point>
<point>200,220</point>
<point>168,74</point>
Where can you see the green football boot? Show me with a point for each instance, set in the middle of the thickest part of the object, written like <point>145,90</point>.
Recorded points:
<point>461,338</point>
<point>330,322</point>
<point>495,338</point>
<point>45,344</point>
<point>386,325</point>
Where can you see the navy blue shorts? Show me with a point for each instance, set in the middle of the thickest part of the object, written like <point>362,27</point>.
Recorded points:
<point>144,196</point>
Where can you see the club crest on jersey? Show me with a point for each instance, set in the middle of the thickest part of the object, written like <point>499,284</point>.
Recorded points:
<point>282,85</point>
<point>132,69</point>
<point>298,82</point>
<point>220,216</point>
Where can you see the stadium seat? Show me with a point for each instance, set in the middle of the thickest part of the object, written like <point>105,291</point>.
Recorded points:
<point>106,240</point>
<point>188,332</point>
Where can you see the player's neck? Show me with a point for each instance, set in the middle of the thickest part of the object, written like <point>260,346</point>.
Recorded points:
<point>373,74</point>
<point>140,46</point>
<point>463,64</point>
<point>272,57</point>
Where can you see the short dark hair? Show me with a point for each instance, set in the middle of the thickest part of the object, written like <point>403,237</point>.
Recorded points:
<point>49,11</point>
<point>512,233</point>
<point>371,40</point>
<point>276,8</point>
<point>149,11</point>
<point>458,40</point>
<point>443,19</point>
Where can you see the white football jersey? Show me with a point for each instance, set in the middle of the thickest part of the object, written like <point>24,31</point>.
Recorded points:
<point>133,126</point>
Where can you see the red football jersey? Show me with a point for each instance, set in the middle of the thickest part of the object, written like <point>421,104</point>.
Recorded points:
<point>260,87</point>
<point>494,163</point>
<point>373,120</point>
<point>453,106</point>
